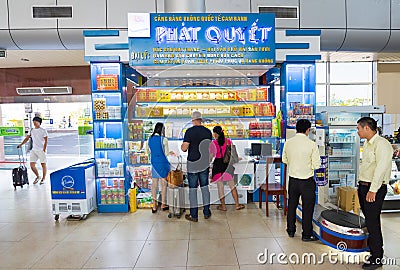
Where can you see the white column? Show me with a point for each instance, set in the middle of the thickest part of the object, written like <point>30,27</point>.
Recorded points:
<point>182,6</point>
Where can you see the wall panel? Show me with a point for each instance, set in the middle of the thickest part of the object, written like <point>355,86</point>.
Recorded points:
<point>86,14</point>
<point>77,77</point>
<point>388,90</point>
<point>239,6</point>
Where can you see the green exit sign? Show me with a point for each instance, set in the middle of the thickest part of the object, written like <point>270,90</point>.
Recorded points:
<point>3,53</point>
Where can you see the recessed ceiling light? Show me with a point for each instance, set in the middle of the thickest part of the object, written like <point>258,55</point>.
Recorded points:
<point>187,74</point>
<point>24,59</point>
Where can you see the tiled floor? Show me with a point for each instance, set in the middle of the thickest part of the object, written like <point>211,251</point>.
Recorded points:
<point>31,239</point>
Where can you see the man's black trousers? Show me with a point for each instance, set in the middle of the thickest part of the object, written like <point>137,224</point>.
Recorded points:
<point>306,189</point>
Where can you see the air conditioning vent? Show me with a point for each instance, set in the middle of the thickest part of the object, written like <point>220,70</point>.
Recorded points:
<point>62,90</point>
<point>29,91</point>
<point>57,90</point>
<point>281,12</point>
<point>52,12</point>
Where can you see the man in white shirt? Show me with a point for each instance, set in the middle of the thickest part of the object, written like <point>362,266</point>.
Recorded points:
<point>39,139</point>
<point>302,157</point>
<point>375,171</point>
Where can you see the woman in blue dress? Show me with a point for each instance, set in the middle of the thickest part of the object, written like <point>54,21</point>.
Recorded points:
<point>157,146</point>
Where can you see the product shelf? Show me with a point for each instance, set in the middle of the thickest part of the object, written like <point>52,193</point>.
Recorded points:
<point>109,105</point>
<point>341,169</point>
<point>205,117</point>
<point>117,120</point>
<point>139,164</point>
<point>108,149</point>
<point>106,91</point>
<point>203,102</point>
<point>344,156</point>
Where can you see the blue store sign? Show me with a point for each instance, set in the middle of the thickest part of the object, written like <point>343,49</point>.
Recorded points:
<point>196,38</point>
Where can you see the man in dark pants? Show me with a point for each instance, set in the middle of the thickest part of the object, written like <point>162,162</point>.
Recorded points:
<point>197,142</point>
<point>375,170</point>
<point>302,157</point>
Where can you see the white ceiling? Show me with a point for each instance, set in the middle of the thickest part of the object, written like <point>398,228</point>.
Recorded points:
<point>15,58</point>
<point>18,58</point>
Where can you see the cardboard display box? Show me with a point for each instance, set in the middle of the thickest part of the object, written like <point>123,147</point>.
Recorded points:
<point>348,199</point>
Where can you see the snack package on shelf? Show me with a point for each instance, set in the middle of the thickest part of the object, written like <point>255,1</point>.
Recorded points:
<point>262,94</point>
<point>99,104</point>
<point>135,128</point>
<point>177,96</point>
<point>107,82</point>
<point>163,96</point>
<point>112,195</point>
<point>141,95</point>
<point>156,111</point>
<point>138,157</point>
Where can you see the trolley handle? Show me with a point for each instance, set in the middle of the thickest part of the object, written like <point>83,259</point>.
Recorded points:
<point>21,156</point>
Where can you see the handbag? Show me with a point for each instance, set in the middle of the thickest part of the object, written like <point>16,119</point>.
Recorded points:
<point>175,177</point>
<point>231,156</point>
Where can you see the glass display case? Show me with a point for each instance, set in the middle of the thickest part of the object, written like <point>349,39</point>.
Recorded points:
<point>343,157</point>
<point>298,90</point>
<point>392,199</point>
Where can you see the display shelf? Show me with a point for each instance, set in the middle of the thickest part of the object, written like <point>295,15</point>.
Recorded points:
<point>117,120</point>
<point>341,169</point>
<point>106,92</point>
<point>112,208</point>
<point>109,106</point>
<point>109,149</point>
<point>344,156</point>
<point>206,117</point>
<point>341,142</point>
<point>202,102</point>
<point>392,197</point>
<point>139,164</point>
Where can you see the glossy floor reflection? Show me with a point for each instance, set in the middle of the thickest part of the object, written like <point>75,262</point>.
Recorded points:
<point>31,239</point>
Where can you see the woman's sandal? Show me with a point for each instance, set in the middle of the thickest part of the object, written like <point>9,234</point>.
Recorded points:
<point>36,180</point>
<point>240,207</point>
<point>219,207</point>
<point>154,210</point>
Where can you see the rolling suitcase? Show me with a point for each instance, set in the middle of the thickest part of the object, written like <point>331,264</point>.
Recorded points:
<point>176,201</point>
<point>20,174</point>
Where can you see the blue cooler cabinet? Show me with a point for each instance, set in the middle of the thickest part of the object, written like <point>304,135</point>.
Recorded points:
<point>73,190</point>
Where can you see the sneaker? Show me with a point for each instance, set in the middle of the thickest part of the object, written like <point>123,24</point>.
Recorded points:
<point>36,180</point>
<point>42,181</point>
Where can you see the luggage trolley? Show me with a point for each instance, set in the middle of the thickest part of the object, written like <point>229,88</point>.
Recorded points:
<point>73,190</point>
